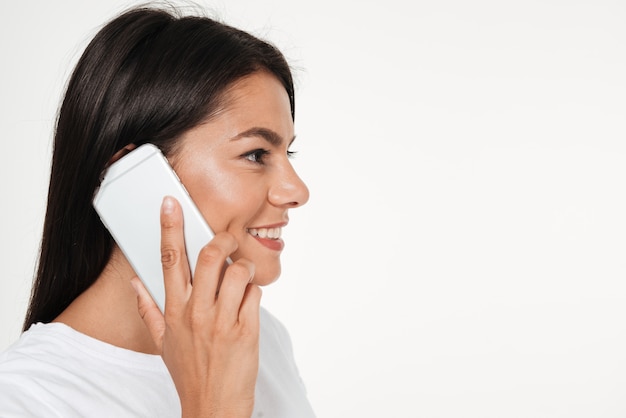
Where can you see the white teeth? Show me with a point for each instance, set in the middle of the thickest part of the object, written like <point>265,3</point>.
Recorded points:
<point>271,233</point>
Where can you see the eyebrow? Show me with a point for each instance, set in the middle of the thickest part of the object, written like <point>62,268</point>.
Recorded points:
<point>267,134</point>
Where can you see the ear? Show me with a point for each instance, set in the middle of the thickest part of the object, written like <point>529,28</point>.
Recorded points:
<point>119,154</point>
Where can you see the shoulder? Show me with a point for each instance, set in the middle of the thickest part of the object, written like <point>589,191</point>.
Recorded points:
<point>30,350</point>
<point>21,391</point>
<point>53,370</point>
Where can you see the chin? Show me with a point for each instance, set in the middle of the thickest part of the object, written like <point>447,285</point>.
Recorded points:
<point>263,277</point>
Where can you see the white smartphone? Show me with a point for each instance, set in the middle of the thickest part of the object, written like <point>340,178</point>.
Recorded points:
<point>128,202</point>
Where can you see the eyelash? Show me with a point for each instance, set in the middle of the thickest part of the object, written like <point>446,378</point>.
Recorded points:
<point>257,156</point>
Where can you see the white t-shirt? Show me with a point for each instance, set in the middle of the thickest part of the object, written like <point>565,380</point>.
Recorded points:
<point>55,371</point>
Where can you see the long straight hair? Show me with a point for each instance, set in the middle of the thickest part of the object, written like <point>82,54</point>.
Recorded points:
<point>149,75</point>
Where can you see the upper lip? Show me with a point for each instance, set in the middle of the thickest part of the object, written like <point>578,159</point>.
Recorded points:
<point>276,225</point>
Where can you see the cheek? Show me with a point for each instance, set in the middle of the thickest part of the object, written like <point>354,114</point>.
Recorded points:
<point>225,199</point>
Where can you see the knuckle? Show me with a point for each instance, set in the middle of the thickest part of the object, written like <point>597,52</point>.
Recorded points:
<point>249,331</point>
<point>173,313</point>
<point>240,271</point>
<point>170,257</point>
<point>222,329</point>
<point>143,309</point>
<point>211,253</point>
<point>196,320</point>
<point>168,223</point>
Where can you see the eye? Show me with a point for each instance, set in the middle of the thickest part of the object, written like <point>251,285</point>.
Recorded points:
<point>256,156</point>
<point>291,154</point>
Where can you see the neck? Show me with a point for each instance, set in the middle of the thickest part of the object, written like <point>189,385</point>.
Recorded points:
<point>107,310</point>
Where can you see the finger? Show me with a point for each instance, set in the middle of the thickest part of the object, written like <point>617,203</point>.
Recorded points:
<point>173,257</point>
<point>210,268</point>
<point>250,308</point>
<point>236,278</point>
<point>149,312</point>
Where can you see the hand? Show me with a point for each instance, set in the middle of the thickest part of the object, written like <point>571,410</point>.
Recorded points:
<point>209,335</point>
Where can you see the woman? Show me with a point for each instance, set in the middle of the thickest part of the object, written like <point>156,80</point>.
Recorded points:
<point>219,103</point>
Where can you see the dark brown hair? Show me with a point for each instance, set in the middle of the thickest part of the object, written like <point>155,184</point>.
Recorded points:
<point>149,75</point>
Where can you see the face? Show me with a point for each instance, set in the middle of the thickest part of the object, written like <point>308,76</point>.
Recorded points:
<point>236,168</point>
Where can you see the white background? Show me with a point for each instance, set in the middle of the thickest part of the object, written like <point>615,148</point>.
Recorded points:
<point>464,250</point>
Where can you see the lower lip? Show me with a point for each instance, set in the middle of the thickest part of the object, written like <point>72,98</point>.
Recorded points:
<point>272,244</point>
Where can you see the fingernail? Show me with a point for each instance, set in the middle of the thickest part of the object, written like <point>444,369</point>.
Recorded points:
<point>168,205</point>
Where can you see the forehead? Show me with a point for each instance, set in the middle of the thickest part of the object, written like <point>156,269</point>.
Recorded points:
<point>254,103</point>
<point>257,101</point>
<point>260,86</point>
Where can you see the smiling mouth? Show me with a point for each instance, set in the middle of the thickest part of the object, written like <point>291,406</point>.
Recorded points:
<point>266,233</point>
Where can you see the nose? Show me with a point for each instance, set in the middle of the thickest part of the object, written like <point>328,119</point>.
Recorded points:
<point>288,190</point>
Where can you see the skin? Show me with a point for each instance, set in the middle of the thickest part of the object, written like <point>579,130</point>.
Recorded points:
<point>236,168</point>
<point>242,180</point>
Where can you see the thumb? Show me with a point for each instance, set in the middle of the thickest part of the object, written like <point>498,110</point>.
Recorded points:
<point>149,312</point>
